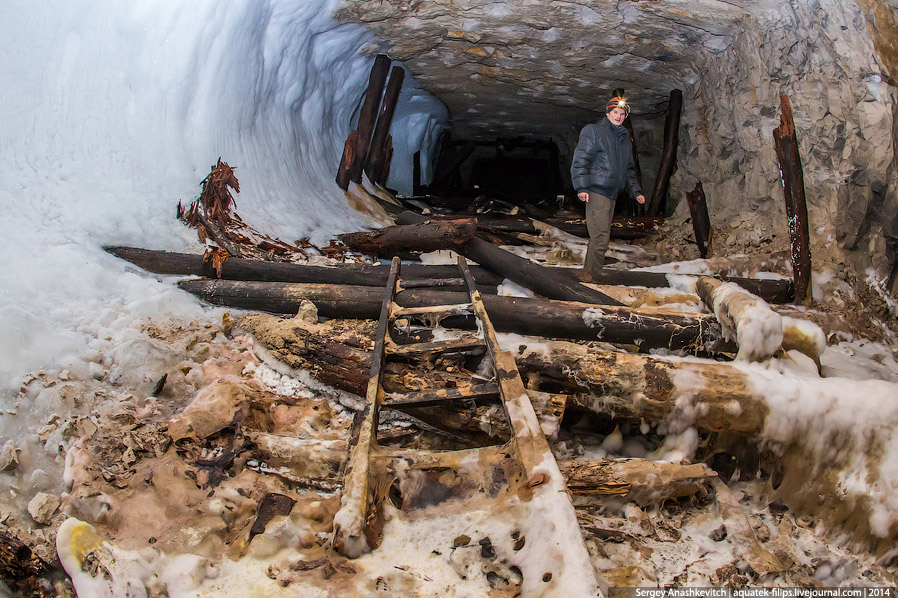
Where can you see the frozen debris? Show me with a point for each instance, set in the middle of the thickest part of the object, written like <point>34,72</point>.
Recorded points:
<point>745,318</point>
<point>9,460</point>
<point>42,507</point>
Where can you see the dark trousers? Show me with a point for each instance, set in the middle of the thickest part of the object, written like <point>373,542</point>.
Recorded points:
<point>599,212</point>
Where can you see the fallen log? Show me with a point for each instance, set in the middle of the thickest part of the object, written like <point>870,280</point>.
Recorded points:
<point>786,144</point>
<point>427,236</point>
<point>618,384</point>
<point>547,283</point>
<point>713,397</point>
<point>756,328</point>
<point>758,331</point>
<point>186,264</point>
<point>538,317</point>
<point>668,153</point>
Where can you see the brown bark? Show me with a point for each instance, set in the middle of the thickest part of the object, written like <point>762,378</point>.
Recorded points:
<point>427,236</point>
<point>786,144</point>
<point>553,319</point>
<point>349,157</point>
<point>669,153</point>
<point>547,283</point>
<point>701,223</point>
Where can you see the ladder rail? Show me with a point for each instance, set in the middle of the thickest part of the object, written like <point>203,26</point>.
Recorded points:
<point>349,536</point>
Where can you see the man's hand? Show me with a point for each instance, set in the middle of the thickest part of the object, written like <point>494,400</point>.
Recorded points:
<point>584,196</point>
<point>640,198</point>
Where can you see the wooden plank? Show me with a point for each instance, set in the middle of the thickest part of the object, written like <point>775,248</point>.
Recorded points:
<point>454,345</point>
<point>435,397</point>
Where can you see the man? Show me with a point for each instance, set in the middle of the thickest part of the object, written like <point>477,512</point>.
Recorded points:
<point>603,167</point>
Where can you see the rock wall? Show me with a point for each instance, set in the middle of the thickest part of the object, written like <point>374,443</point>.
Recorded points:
<point>822,56</point>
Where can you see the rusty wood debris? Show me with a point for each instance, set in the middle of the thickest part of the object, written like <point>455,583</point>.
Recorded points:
<point>701,222</point>
<point>786,144</point>
<point>669,153</point>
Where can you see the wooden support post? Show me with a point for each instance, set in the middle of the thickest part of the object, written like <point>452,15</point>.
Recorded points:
<point>356,149</point>
<point>448,166</point>
<point>786,144</point>
<point>701,223</point>
<point>376,155</point>
<point>628,124</point>
<point>416,173</point>
<point>669,153</point>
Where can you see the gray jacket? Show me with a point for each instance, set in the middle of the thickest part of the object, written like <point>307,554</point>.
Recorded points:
<point>603,161</point>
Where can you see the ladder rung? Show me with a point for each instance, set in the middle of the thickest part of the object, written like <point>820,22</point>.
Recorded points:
<point>449,310</point>
<point>421,459</point>
<point>446,346</point>
<point>423,283</point>
<point>432,397</point>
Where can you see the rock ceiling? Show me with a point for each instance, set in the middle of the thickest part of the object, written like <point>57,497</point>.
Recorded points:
<point>531,67</point>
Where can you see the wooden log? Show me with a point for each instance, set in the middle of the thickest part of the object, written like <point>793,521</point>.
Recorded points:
<point>166,262</point>
<point>547,283</point>
<point>744,318</point>
<point>374,162</point>
<point>786,144</point>
<point>368,116</point>
<point>701,222</point>
<point>553,319</point>
<point>632,207</point>
<point>634,387</point>
<point>669,153</point>
<point>426,236</point>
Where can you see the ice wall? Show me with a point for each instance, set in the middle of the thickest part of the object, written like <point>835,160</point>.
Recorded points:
<point>114,111</point>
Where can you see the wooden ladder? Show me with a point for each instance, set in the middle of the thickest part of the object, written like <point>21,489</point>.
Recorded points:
<point>526,454</point>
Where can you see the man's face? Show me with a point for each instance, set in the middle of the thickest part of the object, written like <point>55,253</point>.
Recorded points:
<point>617,116</point>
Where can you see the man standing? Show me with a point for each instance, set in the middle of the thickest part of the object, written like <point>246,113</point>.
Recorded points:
<point>603,167</point>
